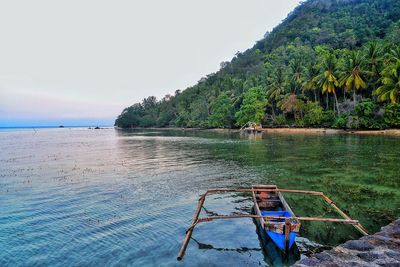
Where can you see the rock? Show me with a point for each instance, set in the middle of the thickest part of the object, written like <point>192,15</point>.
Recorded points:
<point>393,254</point>
<point>308,262</point>
<point>368,256</point>
<point>323,256</point>
<point>359,245</point>
<point>380,249</point>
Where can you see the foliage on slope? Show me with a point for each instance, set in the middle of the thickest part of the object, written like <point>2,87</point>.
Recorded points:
<point>333,63</point>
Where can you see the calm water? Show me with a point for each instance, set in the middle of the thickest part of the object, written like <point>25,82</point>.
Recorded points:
<point>106,197</point>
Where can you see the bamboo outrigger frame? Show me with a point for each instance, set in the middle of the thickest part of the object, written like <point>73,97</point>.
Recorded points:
<point>196,220</point>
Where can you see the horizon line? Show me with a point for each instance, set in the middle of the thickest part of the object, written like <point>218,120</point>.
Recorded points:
<point>57,126</point>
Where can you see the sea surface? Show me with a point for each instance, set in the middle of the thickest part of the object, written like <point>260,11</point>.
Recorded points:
<point>85,197</point>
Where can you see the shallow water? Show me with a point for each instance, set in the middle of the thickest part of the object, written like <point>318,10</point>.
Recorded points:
<point>107,197</point>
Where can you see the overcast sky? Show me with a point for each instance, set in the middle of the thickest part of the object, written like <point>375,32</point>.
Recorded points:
<point>80,62</point>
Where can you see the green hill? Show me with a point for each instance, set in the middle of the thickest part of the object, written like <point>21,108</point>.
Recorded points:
<point>332,63</point>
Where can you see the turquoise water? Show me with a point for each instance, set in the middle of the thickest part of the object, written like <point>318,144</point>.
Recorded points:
<point>106,197</point>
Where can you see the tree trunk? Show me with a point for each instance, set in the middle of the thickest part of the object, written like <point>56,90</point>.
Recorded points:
<point>354,96</point>
<point>327,101</point>
<point>337,104</point>
<point>344,94</point>
<point>334,106</point>
<point>315,95</point>
<point>273,111</point>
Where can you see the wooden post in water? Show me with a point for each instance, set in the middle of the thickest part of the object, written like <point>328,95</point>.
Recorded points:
<point>288,227</point>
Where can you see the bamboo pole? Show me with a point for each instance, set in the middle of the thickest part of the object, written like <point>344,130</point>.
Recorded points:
<point>244,190</point>
<point>222,217</point>
<point>196,220</point>
<point>358,226</point>
<point>190,230</point>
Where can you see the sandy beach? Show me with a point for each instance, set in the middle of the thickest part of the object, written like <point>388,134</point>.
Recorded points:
<point>289,130</point>
<point>391,132</point>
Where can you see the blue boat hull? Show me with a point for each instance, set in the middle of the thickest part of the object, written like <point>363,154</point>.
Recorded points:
<point>274,255</point>
<point>279,239</point>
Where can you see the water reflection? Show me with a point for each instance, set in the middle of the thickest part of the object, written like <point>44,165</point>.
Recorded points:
<point>238,250</point>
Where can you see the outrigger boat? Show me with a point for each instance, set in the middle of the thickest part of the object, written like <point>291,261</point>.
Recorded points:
<point>282,230</point>
<point>273,215</point>
<point>251,128</point>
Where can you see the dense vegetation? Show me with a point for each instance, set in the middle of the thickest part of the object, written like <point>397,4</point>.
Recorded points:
<point>331,63</point>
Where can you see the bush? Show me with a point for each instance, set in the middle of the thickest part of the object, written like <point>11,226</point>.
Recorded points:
<point>299,122</point>
<point>392,115</point>
<point>328,118</point>
<point>366,116</point>
<point>314,114</point>
<point>279,120</point>
<point>341,121</point>
<point>353,122</point>
<point>365,108</point>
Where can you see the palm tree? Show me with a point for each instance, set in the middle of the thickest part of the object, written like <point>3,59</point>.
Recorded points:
<point>395,53</point>
<point>297,70</point>
<point>373,57</point>
<point>310,83</point>
<point>276,89</point>
<point>391,53</point>
<point>352,75</point>
<point>327,78</point>
<point>390,88</point>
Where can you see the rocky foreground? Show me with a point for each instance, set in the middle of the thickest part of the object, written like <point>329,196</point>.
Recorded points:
<point>380,249</point>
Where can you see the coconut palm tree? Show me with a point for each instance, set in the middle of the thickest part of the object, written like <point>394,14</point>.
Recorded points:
<point>352,75</point>
<point>327,78</point>
<point>297,71</point>
<point>395,53</point>
<point>310,81</point>
<point>390,88</point>
<point>373,57</point>
<point>276,89</point>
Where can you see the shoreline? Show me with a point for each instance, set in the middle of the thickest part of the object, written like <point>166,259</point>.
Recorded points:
<point>282,130</point>
<point>390,132</point>
<point>379,249</point>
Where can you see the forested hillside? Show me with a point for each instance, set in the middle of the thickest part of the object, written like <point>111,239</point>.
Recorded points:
<point>331,63</point>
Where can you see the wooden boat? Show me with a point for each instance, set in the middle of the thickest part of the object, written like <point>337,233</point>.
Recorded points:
<point>251,128</point>
<point>272,214</point>
<point>282,230</point>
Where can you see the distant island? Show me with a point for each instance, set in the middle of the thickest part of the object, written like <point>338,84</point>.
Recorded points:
<point>330,63</point>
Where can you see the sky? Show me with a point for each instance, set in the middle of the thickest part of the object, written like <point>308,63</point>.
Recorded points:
<point>80,62</point>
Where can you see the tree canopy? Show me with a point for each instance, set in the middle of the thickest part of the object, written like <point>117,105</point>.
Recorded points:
<point>324,62</point>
